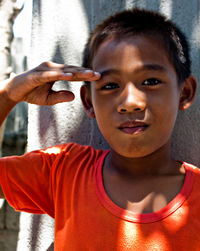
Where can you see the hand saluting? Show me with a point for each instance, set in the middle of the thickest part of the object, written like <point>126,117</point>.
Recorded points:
<point>35,86</point>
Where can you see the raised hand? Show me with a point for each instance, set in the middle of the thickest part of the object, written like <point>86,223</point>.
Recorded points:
<point>35,86</point>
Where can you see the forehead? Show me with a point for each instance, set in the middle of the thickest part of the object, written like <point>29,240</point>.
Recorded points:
<point>131,52</point>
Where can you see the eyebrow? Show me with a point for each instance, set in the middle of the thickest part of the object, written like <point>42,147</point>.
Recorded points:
<point>154,67</point>
<point>147,67</point>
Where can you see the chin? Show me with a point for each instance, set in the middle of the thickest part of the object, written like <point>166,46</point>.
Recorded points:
<point>137,151</point>
<point>135,155</point>
<point>133,152</point>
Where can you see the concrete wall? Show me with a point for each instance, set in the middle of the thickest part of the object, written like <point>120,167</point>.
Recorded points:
<point>14,142</point>
<point>60,29</point>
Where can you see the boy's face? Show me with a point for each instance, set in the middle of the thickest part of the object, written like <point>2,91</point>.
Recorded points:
<point>136,100</point>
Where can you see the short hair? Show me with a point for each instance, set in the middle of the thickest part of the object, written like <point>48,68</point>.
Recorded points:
<point>134,22</point>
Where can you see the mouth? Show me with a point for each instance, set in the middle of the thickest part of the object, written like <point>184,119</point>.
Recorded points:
<point>133,127</point>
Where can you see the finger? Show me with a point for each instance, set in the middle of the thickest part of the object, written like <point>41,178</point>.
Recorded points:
<point>73,68</point>
<point>49,65</point>
<point>79,70</point>
<point>87,75</point>
<point>76,72</point>
<point>38,78</point>
<point>59,97</point>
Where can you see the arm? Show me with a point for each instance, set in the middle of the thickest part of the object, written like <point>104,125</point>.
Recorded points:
<point>5,103</point>
<point>35,86</point>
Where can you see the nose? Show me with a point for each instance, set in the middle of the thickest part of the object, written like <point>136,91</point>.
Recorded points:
<point>131,99</point>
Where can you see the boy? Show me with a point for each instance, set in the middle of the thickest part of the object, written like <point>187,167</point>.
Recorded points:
<point>134,196</point>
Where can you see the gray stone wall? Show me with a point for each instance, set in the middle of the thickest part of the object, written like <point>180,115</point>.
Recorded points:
<point>60,29</point>
<point>15,136</point>
<point>9,228</point>
<point>14,143</point>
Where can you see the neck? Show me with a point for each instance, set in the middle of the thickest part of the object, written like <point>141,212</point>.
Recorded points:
<point>157,163</point>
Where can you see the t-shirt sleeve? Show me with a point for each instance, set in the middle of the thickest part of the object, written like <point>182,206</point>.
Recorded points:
<point>27,180</point>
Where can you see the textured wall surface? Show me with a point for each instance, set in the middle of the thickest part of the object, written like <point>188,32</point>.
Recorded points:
<point>14,143</point>
<point>60,29</point>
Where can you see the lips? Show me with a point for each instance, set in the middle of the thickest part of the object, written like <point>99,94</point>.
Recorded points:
<point>133,127</point>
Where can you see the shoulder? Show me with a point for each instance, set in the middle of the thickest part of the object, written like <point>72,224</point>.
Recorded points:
<point>192,173</point>
<point>53,155</point>
<point>74,162</point>
<point>72,155</point>
<point>70,149</point>
<point>191,168</point>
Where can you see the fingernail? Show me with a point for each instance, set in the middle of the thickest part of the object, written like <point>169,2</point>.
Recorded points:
<point>88,71</point>
<point>96,73</point>
<point>69,74</point>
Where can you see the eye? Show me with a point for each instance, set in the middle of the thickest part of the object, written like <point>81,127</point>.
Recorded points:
<point>110,86</point>
<point>152,82</point>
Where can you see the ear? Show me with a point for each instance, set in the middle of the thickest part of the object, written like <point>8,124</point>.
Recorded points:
<point>86,100</point>
<point>187,94</point>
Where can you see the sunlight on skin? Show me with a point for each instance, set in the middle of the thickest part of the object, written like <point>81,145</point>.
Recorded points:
<point>159,202</point>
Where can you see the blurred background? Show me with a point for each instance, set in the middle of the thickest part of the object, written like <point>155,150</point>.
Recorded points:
<point>15,134</point>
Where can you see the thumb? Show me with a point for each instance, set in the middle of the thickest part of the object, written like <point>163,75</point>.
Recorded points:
<point>56,97</point>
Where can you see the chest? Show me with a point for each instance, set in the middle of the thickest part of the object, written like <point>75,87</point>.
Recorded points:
<point>145,195</point>
<point>91,222</point>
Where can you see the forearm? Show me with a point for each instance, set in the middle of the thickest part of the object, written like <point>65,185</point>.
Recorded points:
<point>6,104</point>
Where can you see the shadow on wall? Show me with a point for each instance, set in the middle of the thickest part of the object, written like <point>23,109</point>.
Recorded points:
<point>37,6</point>
<point>46,113</point>
<point>49,114</point>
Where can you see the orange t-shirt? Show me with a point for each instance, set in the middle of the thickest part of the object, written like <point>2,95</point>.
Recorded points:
<point>66,183</point>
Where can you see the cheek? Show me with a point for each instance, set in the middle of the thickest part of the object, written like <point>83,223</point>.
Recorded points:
<point>104,112</point>
<point>165,110</point>
<point>102,104</point>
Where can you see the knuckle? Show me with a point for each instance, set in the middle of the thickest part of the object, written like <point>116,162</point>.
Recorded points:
<point>45,64</point>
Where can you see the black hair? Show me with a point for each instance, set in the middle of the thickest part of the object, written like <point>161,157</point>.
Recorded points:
<point>142,22</point>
